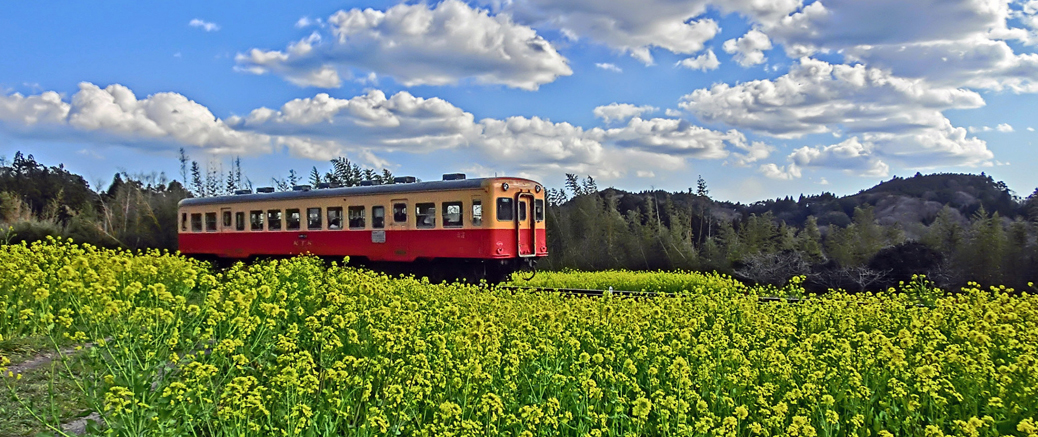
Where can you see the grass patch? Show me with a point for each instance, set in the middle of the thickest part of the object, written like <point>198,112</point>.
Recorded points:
<point>43,395</point>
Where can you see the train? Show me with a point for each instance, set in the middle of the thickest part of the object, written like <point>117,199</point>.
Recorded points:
<point>454,228</point>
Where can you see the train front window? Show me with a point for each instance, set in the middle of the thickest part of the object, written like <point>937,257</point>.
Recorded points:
<point>399,212</point>
<point>425,215</point>
<point>256,220</point>
<point>538,210</point>
<point>210,222</point>
<point>183,221</point>
<point>378,217</point>
<point>274,220</point>
<point>356,217</point>
<point>505,209</point>
<point>292,219</point>
<point>477,213</point>
<point>313,218</point>
<point>239,221</point>
<point>452,215</point>
<point>335,217</point>
<point>196,222</point>
<point>227,219</point>
<point>522,211</point>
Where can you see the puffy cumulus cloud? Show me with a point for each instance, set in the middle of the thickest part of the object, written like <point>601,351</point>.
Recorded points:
<point>404,123</point>
<point>706,61</point>
<point>851,156</point>
<point>1004,127</point>
<point>621,111</point>
<point>749,49</point>
<point>978,63</point>
<point>417,45</point>
<point>115,114</point>
<point>678,26</point>
<point>839,24</point>
<point>785,173</point>
<point>205,25</point>
<point>17,110</point>
<point>901,117</point>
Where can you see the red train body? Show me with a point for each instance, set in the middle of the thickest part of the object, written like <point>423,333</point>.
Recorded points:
<point>492,225</point>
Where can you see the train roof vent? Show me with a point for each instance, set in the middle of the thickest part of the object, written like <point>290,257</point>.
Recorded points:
<point>301,188</point>
<point>323,185</point>
<point>404,180</point>
<point>265,190</point>
<point>368,183</point>
<point>454,177</point>
<point>240,192</point>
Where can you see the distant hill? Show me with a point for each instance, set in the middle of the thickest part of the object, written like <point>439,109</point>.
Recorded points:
<point>909,202</point>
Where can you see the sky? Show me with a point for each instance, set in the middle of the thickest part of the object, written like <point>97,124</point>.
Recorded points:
<point>762,98</point>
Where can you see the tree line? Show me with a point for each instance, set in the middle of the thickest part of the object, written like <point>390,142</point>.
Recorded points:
<point>872,240</point>
<point>954,228</point>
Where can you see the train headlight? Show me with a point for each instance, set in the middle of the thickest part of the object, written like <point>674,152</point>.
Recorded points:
<point>504,186</point>
<point>537,188</point>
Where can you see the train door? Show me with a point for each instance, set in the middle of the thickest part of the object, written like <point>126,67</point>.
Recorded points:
<point>397,227</point>
<point>526,234</point>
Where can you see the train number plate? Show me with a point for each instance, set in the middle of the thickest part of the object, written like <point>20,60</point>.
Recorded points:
<point>378,236</point>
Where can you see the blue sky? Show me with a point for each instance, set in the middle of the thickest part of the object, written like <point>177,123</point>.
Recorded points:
<point>762,98</point>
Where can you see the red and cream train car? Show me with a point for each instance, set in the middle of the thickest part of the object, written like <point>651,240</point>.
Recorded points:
<point>488,227</point>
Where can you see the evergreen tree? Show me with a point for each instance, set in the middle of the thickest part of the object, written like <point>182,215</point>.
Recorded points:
<point>197,186</point>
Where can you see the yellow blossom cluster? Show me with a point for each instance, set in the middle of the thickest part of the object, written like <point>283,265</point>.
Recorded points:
<point>300,347</point>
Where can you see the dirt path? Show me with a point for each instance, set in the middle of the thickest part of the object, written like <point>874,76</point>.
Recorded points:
<point>44,358</point>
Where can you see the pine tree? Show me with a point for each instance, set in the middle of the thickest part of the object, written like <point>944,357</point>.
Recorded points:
<point>197,186</point>
<point>315,177</point>
<point>183,166</point>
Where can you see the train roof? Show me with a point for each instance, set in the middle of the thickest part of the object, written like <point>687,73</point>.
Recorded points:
<point>413,187</point>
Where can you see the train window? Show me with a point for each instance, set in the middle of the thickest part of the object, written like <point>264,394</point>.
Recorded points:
<point>183,221</point>
<point>477,213</point>
<point>425,215</point>
<point>356,217</point>
<point>335,217</point>
<point>399,212</point>
<point>239,221</point>
<point>210,222</point>
<point>196,222</point>
<point>452,215</point>
<point>227,219</point>
<point>256,220</point>
<point>313,218</point>
<point>292,219</point>
<point>274,220</point>
<point>378,217</point>
<point>505,209</point>
<point>538,210</point>
<point>522,211</point>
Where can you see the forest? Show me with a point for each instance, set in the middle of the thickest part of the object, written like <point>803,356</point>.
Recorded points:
<point>953,228</point>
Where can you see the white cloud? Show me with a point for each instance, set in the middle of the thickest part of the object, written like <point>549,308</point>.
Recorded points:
<point>417,44</point>
<point>749,49</point>
<point>645,174</point>
<point>1030,129</point>
<point>207,26</point>
<point>973,129</point>
<point>608,67</point>
<point>704,62</point>
<point>638,27</point>
<point>851,155</point>
<point>305,22</point>
<point>901,117</point>
<point>773,171</point>
<point>1004,128</point>
<point>978,63</point>
<point>115,115</point>
<point>621,111</point>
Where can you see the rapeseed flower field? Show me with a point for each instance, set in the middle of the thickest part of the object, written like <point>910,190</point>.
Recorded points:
<point>295,347</point>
